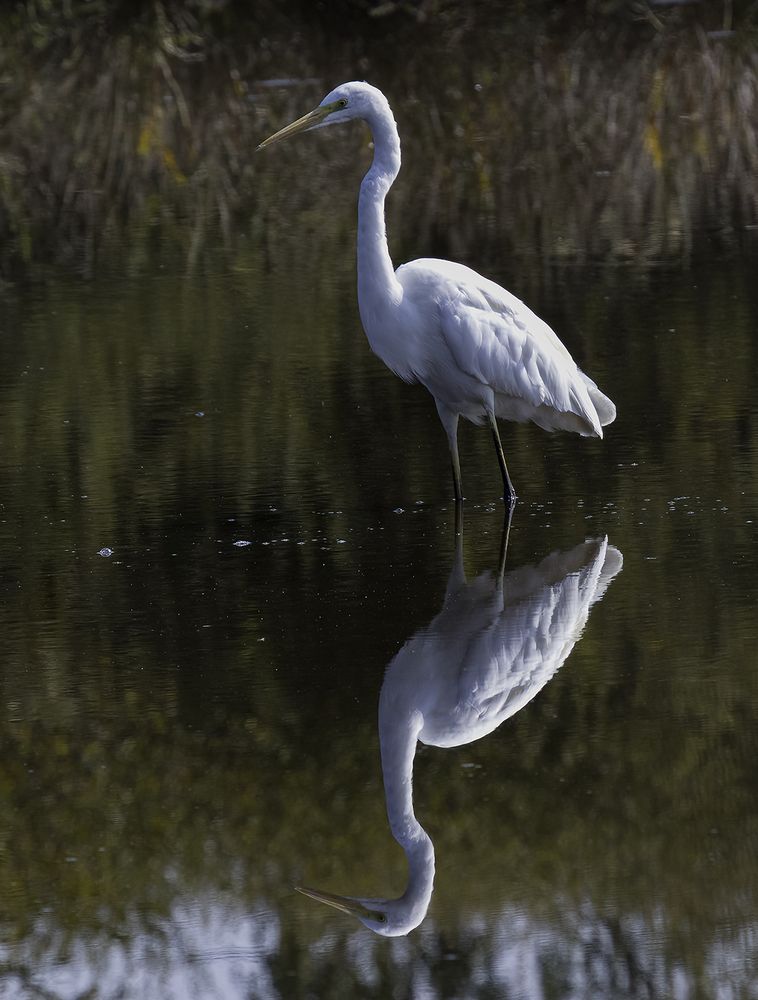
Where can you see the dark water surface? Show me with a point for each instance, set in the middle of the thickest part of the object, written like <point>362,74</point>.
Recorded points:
<point>221,518</point>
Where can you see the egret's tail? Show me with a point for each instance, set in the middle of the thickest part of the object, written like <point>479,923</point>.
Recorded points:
<point>606,409</point>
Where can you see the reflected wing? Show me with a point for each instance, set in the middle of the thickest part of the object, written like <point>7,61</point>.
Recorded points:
<point>546,608</point>
<point>492,648</point>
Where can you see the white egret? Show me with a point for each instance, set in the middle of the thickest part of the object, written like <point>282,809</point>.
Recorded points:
<point>478,349</point>
<point>494,645</point>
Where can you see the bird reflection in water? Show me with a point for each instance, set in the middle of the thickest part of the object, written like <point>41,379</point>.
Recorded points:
<point>494,645</point>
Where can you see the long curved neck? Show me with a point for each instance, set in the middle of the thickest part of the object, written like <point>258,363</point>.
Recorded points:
<point>398,735</point>
<point>377,283</point>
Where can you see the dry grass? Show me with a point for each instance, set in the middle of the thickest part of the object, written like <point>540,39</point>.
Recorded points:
<point>597,147</point>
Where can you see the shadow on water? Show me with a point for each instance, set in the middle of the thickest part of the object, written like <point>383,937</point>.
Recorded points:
<point>491,649</point>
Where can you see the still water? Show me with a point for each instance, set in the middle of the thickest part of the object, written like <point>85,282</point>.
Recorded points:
<point>230,578</point>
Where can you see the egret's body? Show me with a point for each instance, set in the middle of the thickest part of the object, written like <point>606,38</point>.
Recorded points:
<point>478,349</point>
<point>492,648</point>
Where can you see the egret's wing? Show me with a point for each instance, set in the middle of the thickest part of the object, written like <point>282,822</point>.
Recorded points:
<point>492,649</point>
<point>496,339</point>
<point>511,661</point>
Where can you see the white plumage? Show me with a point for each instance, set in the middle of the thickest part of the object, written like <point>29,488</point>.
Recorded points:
<point>492,648</point>
<point>492,339</point>
<point>478,349</point>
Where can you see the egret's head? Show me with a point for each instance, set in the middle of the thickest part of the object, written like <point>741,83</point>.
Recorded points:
<point>387,917</point>
<point>344,103</point>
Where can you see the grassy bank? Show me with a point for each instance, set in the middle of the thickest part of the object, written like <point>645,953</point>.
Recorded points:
<point>627,135</point>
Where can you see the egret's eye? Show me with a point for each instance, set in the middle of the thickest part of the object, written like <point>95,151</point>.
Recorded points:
<point>342,102</point>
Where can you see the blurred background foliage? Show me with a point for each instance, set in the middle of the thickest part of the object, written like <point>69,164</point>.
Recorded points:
<point>591,128</point>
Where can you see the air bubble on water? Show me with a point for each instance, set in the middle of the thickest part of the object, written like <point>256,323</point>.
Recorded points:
<point>105,553</point>
<point>242,542</point>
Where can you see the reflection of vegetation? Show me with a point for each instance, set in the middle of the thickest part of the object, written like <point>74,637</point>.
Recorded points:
<point>622,138</point>
<point>141,750</point>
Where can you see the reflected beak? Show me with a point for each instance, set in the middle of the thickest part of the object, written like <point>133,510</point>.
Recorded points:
<point>310,120</point>
<point>343,903</point>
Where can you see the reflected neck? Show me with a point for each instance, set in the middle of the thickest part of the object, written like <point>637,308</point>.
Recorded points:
<point>398,737</point>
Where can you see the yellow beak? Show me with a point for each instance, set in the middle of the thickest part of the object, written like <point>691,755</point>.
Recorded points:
<point>314,117</point>
<point>344,903</point>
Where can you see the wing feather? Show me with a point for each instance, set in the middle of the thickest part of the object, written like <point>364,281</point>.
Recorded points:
<point>496,339</point>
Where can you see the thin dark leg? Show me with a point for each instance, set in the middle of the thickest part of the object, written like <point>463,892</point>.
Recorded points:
<point>457,577</point>
<point>457,485</point>
<point>509,494</point>
<point>450,422</point>
<point>504,536</point>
